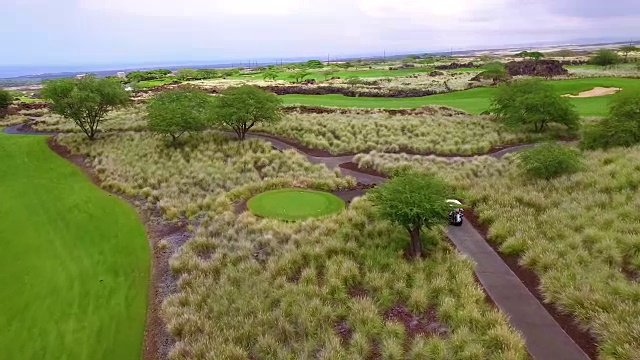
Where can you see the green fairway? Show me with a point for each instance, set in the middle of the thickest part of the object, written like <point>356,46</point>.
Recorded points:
<point>476,100</point>
<point>74,261</point>
<point>294,204</point>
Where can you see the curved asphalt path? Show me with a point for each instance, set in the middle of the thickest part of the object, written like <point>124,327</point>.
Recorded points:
<point>544,337</point>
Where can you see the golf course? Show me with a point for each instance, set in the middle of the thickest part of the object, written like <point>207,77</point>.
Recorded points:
<point>74,264</point>
<point>474,101</point>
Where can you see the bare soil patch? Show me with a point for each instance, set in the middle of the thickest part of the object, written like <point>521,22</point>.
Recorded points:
<point>596,91</point>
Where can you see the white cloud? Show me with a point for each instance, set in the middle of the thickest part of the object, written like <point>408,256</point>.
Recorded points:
<point>198,8</point>
<point>430,9</point>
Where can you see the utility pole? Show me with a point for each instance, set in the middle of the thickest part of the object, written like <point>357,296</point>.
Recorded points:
<point>384,56</point>
<point>328,60</point>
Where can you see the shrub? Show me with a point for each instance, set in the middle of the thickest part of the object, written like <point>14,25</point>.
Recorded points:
<point>299,75</point>
<point>240,108</point>
<point>605,58</point>
<point>550,160</point>
<point>178,111</point>
<point>533,103</point>
<point>86,101</point>
<point>5,99</point>
<point>494,71</point>
<point>620,128</point>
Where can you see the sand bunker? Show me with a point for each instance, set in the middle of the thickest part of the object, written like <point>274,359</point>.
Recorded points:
<point>597,91</point>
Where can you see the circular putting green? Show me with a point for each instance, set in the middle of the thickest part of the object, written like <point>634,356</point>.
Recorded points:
<point>294,204</point>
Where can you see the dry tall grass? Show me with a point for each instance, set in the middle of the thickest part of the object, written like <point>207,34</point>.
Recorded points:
<point>342,133</point>
<point>322,289</point>
<point>578,232</point>
<point>191,178</point>
<point>126,119</point>
<point>330,288</point>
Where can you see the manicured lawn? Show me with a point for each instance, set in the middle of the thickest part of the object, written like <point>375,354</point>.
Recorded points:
<point>25,99</point>
<point>74,261</point>
<point>294,204</point>
<point>476,100</point>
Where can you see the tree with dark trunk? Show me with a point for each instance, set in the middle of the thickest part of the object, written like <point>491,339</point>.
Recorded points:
<point>86,101</point>
<point>240,108</point>
<point>178,111</point>
<point>414,201</point>
<point>533,103</point>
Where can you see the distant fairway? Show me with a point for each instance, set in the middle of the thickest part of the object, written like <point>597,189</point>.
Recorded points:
<point>74,261</point>
<point>317,75</point>
<point>476,100</point>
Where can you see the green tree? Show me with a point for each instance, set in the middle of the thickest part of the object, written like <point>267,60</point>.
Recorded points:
<point>187,74</point>
<point>314,64</point>
<point>328,73</point>
<point>207,74</point>
<point>535,55</point>
<point>414,201</point>
<point>550,160</point>
<point>522,54</point>
<point>270,75</point>
<point>345,65</point>
<point>86,101</point>
<point>5,99</point>
<point>533,103</point>
<point>628,49</point>
<point>620,128</point>
<point>299,75</point>
<point>605,58</point>
<point>178,111</point>
<point>495,71</point>
<point>354,81</point>
<point>240,108</point>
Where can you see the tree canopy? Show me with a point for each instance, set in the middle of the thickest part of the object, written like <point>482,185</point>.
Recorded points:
<point>137,76</point>
<point>495,71</point>
<point>5,99</point>
<point>86,101</point>
<point>414,201</point>
<point>299,75</point>
<point>535,55</point>
<point>605,58</point>
<point>270,75</point>
<point>533,103</point>
<point>620,128</point>
<point>178,111</point>
<point>240,108</point>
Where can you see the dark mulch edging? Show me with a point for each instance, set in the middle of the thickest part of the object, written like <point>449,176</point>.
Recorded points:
<point>301,147</point>
<point>157,340</point>
<point>584,339</point>
<point>424,110</point>
<point>354,167</point>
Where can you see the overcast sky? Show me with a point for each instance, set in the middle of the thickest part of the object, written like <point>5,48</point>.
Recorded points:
<point>37,32</point>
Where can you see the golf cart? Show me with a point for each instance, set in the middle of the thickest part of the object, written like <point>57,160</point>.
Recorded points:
<point>456,215</point>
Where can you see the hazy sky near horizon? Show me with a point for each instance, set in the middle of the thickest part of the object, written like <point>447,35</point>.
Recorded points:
<point>60,32</point>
